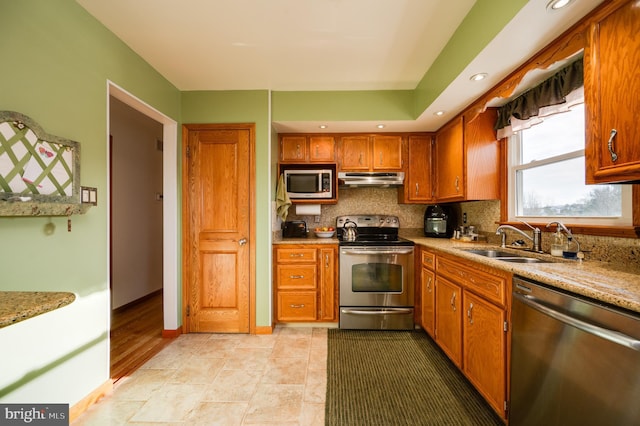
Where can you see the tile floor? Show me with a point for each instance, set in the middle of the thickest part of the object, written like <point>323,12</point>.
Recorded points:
<point>224,379</point>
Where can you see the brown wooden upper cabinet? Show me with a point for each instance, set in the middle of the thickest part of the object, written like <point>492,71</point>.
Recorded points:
<point>448,158</point>
<point>611,87</point>
<point>307,149</point>
<point>466,159</point>
<point>418,188</point>
<point>371,153</point>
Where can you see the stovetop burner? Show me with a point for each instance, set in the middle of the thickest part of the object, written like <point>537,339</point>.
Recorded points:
<point>372,230</point>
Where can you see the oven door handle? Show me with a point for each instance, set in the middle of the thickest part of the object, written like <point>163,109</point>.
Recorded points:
<point>391,311</point>
<point>377,251</point>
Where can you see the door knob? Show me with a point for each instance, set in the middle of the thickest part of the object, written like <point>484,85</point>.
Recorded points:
<point>242,241</point>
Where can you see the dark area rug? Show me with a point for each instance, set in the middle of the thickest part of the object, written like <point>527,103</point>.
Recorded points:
<point>397,378</point>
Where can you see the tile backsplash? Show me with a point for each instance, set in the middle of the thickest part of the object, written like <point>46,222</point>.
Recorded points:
<point>366,201</point>
<point>483,214</point>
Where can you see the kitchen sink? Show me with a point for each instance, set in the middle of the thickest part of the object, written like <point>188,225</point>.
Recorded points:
<point>506,256</point>
<point>523,260</point>
<point>491,253</point>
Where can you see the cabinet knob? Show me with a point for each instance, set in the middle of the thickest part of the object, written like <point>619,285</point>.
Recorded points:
<point>242,241</point>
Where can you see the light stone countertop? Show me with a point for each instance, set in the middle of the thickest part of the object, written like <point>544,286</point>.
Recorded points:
<point>16,306</point>
<point>615,284</point>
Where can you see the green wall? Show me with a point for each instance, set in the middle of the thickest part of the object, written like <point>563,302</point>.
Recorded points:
<point>483,22</point>
<point>56,63</point>
<point>251,106</point>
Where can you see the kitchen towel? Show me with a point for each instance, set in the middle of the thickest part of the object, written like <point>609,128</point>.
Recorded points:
<point>282,199</point>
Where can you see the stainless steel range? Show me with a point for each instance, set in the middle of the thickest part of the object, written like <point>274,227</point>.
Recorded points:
<point>376,273</point>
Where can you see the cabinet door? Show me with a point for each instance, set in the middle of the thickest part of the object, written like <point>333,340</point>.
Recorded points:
<point>327,273</point>
<point>484,350</point>
<point>448,319</point>
<point>449,162</point>
<point>612,84</point>
<point>428,301</point>
<point>322,149</point>
<point>293,148</point>
<point>417,186</point>
<point>387,153</point>
<point>354,153</point>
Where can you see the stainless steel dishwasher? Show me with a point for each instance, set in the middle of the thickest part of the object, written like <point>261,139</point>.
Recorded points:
<point>574,361</point>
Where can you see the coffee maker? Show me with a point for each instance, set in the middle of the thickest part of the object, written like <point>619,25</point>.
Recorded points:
<point>438,221</point>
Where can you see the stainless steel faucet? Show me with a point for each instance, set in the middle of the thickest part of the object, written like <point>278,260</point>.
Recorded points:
<point>561,226</point>
<point>567,231</point>
<point>535,239</point>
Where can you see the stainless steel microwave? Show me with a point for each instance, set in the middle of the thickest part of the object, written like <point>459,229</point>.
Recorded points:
<point>309,183</point>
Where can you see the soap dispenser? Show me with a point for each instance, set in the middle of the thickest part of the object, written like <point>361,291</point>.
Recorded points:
<point>573,248</point>
<point>559,244</point>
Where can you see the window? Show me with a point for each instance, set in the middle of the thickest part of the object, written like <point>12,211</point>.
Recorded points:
<point>547,174</point>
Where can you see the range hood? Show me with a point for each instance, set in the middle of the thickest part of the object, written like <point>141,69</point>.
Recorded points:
<point>375,179</point>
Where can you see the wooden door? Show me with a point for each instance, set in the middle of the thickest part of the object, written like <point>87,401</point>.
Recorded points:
<point>322,149</point>
<point>428,301</point>
<point>387,153</point>
<point>328,292</point>
<point>417,187</point>
<point>217,217</point>
<point>448,320</point>
<point>449,162</point>
<point>485,349</point>
<point>293,148</point>
<point>354,153</point>
<point>611,86</point>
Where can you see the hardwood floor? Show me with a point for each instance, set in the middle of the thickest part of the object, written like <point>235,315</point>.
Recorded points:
<point>136,335</point>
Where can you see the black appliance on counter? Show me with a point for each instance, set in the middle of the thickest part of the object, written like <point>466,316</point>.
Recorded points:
<point>438,221</point>
<point>294,229</point>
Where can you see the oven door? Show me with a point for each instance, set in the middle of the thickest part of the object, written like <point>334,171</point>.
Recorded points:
<point>376,287</point>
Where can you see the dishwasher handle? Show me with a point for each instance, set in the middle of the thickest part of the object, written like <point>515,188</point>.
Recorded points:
<point>605,333</point>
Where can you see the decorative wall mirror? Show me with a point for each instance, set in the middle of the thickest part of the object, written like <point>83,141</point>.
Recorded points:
<point>34,165</point>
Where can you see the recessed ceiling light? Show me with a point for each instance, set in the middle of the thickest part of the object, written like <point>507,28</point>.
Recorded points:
<point>323,126</point>
<point>557,4</point>
<point>479,76</point>
<point>380,126</point>
<point>438,113</point>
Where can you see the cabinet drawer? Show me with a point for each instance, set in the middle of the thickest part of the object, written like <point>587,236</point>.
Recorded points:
<point>490,286</point>
<point>296,276</point>
<point>297,306</point>
<point>296,255</point>
<point>428,260</point>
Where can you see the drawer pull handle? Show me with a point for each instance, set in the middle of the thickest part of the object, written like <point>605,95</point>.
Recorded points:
<point>470,313</point>
<point>453,302</point>
<point>296,277</point>
<point>296,255</point>
<point>297,306</point>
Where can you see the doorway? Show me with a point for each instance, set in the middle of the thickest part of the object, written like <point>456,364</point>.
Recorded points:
<point>169,261</point>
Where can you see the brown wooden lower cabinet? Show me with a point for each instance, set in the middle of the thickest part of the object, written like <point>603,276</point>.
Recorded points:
<point>469,309</point>
<point>305,277</point>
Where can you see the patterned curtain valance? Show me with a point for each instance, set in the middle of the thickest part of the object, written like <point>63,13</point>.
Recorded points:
<point>552,91</point>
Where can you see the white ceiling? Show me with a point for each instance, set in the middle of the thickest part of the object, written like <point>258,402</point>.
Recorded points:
<point>310,45</point>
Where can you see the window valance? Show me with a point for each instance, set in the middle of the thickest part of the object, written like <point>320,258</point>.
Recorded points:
<point>553,91</point>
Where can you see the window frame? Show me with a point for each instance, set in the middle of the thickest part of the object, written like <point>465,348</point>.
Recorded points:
<point>631,202</point>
